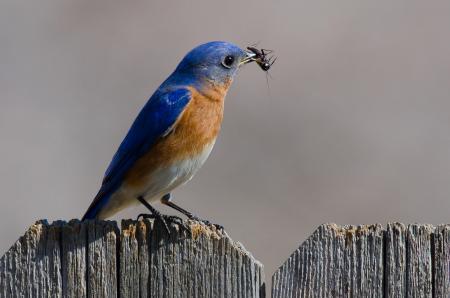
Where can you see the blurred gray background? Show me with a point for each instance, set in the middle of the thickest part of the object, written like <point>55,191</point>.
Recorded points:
<point>354,128</point>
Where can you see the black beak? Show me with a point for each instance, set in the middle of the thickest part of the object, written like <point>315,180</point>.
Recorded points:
<point>249,57</point>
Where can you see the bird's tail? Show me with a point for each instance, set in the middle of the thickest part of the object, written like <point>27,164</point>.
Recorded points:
<point>96,206</point>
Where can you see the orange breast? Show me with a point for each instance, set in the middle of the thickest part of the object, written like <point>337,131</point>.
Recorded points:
<point>197,127</point>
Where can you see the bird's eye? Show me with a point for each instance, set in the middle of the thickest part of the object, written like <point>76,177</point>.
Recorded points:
<point>228,61</point>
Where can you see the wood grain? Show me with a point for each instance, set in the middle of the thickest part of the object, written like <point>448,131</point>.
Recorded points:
<point>441,244</point>
<point>96,259</point>
<point>367,261</point>
<point>334,262</point>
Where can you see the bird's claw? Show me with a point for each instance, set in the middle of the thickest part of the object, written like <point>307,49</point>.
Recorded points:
<point>165,219</point>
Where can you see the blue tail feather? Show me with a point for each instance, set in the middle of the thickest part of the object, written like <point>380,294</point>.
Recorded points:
<point>99,202</point>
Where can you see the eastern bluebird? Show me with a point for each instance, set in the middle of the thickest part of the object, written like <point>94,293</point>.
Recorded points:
<point>173,134</point>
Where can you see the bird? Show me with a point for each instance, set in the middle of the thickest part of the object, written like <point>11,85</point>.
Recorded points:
<point>173,134</point>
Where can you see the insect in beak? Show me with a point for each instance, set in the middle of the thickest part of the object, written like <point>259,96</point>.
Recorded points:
<point>261,58</point>
<point>267,64</point>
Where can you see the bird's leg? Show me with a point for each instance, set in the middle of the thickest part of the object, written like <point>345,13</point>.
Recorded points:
<point>158,216</point>
<point>166,200</point>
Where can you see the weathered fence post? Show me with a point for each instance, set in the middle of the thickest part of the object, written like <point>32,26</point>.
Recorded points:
<point>96,259</point>
<point>367,261</point>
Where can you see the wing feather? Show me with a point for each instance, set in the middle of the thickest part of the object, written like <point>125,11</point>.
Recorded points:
<point>155,120</point>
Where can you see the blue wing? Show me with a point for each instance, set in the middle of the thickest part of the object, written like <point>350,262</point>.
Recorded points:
<point>155,120</point>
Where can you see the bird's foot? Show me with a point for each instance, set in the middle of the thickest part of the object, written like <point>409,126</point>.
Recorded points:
<point>165,220</point>
<point>206,222</point>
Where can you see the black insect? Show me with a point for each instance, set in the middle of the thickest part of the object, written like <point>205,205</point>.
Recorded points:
<point>262,59</point>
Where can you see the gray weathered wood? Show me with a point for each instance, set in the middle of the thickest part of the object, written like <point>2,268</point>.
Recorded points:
<point>364,261</point>
<point>419,278</point>
<point>95,259</point>
<point>334,262</point>
<point>32,267</point>
<point>129,260</point>
<point>74,252</point>
<point>395,265</point>
<point>143,237</point>
<point>441,243</point>
<point>202,263</point>
<point>101,259</point>
<point>409,261</point>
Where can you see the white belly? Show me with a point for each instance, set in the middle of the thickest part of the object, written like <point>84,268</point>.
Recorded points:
<point>164,180</point>
<point>160,182</point>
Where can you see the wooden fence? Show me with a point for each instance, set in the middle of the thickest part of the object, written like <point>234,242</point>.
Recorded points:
<point>367,261</point>
<point>96,259</point>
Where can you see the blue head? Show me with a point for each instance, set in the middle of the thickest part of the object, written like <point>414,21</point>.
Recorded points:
<point>216,62</point>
